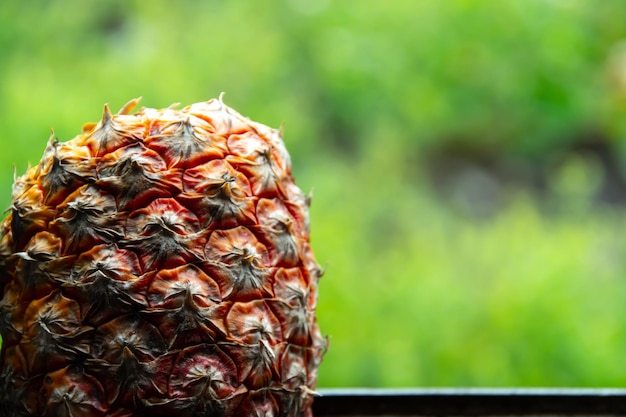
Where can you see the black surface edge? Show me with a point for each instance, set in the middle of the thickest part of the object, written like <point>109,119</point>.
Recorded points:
<point>469,402</point>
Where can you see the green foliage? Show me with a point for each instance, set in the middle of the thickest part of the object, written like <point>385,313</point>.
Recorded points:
<point>415,294</point>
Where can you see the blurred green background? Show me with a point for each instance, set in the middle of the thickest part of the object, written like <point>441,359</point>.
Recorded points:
<point>466,159</point>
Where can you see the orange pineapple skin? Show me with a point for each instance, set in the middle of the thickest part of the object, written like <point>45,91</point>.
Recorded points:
<point>159,264</point>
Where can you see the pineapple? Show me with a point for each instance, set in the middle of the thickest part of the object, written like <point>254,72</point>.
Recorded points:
<point>158,264</point>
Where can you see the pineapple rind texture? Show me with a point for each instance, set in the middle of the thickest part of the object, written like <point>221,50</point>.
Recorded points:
<point>159,264</point>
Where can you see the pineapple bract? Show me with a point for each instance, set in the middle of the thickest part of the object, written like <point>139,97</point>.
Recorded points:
<point>159,264</point>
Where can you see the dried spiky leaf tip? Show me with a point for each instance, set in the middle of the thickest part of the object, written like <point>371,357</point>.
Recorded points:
<point>158,264</point>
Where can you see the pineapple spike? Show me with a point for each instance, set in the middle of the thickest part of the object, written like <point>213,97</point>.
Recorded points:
<point>52,139</point>
<point>128,107</point>
<point>89,126</point>
<point>106,115</point>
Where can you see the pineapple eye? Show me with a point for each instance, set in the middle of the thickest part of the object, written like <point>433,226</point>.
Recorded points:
<point>227,177</point>
<point>282,225</point>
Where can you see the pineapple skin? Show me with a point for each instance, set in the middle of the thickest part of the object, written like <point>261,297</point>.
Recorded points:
<point>159,264</point>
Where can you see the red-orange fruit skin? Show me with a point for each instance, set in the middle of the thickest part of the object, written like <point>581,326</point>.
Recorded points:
<point>159,264</point>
